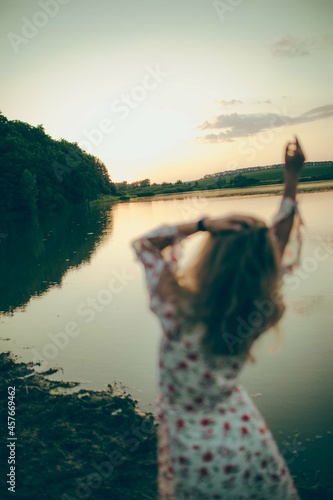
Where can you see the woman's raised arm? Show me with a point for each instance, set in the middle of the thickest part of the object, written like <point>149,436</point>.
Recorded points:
<point>294,161</point>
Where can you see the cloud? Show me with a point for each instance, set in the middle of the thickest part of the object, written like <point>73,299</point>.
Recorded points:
<point>315,114</point>
<point>214,138</point>
<point>266,101</point>
<point>237,125</point>
<point>232,102</point>
<point>288,46</point>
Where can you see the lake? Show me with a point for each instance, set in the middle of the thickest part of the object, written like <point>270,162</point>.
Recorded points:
<point>72,296</point>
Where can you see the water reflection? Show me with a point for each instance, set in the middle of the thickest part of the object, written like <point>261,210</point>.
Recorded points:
<point>292,386</point>
<point>35,253</point>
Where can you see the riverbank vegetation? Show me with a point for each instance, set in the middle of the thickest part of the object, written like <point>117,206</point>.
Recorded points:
<point>40,174</point>
<point>229,183</point>
<point>274,189</point>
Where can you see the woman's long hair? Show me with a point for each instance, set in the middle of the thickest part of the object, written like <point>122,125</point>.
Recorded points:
<point>233,288</point>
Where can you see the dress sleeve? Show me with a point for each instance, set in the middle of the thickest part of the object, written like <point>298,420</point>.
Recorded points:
<point>149,248</point>
<point>292,251</point>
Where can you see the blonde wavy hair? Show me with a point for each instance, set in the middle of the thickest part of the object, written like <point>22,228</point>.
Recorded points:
<point>233,286</point>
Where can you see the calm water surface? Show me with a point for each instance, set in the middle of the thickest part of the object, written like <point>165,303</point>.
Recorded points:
<point>72,296</point>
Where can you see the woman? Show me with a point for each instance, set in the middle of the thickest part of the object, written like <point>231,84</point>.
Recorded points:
<point>213,442</point>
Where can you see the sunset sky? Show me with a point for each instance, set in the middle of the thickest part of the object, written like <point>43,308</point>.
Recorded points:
<point>172,89</point>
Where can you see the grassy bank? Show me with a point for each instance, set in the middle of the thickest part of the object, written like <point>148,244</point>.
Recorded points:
<point>106,199</point>
<point>306,187</point>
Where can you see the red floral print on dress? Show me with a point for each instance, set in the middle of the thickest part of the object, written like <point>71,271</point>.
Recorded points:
<point>247,474</point>
<point>208,457</point>
<point>226,426</point>
<point>199,400</point>
<point>189,408</point>
<point>207,433</point>
<point>230,469</point>
<point>206,421</point>
<point>182,365</point>
<point>203,472</point>
<point>180,424</point>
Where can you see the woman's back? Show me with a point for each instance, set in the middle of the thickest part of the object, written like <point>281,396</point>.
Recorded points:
<point>192,380</point>
<point>212,441</point>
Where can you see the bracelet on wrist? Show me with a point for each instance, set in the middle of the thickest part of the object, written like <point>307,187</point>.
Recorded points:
<point>201,225</point>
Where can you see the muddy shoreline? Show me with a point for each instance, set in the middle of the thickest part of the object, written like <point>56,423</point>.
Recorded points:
<point>87,444</point>
<point>77,445</point>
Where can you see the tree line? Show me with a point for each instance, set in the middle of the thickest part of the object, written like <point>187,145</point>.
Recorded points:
<point>38,173</point>
<point>313,171</point>
<point>144,187</point>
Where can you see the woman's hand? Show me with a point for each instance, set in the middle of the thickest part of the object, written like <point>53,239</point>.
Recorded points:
<point>294,161</point>
<point>294,157</point>
<point>230,223</point>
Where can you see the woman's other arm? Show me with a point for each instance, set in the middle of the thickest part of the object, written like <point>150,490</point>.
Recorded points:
<point>231,223</point>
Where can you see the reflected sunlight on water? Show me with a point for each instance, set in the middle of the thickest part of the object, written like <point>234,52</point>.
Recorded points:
<point>100,329</point>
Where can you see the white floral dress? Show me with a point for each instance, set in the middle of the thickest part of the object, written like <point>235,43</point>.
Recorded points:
<point>212,441</point>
